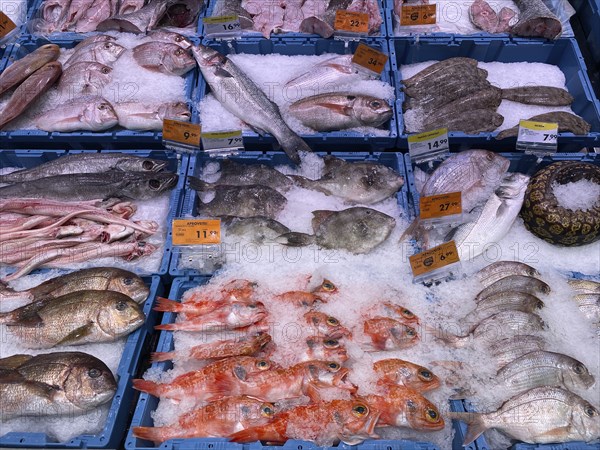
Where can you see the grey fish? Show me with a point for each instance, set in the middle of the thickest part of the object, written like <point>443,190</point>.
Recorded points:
<point>520,283</point>
<point>86,163</point>
<point>163,57</point>
<point>442,95</point>
<point>323,25</point>
<point>74,319</point>
<point>339,111</point>
<point>139,21</point>
<point>170,37</point>
<point>87,113</point>
<point>29,91</point>
<point>468,121</point>
<point>430,74</point>
<point>233,173</point>
<point>500,269</point>
<point>468,74</point>
<point>504,301</point>
<point>21,69</point>
<point>103,52</point>
<point>538,95</point>
<point>536,20</point>
<point>249,103</point>
<point>330,72</point>
<point>585,286</point>
<point>89,186</point>
<point>258,230</point>
<point>148,116</point>
<point>356,182</point>
<point>85,77</point>
<point>53,384</point>
<point>234,8</point>
<point>507,350</point>
<point>589,305</point>
<point>93,40</point>
<point>357,230</point>
<point>239,201</point>
<point>421,87</point>
<point>541,415</point>
<point>96,278</point>
<point>566,122</point>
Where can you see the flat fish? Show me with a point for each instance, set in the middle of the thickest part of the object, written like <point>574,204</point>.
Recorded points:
<point>538,95</point>
<point>467,74</point>
<point>536,20</point>
<point>469,122</point>
<point>233,173</point>
<point>431,73</point>
<point>489,98</point>
<point>566,122</point>
<point>447,93</point>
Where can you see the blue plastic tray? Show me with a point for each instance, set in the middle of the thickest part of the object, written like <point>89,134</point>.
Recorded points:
<point>563,53</point>
<point>147,404</point>
<point>332,141</point>
<point>117,138</point>
<point>138,344</point>
<point>177,164</point>
<point>190,201</point>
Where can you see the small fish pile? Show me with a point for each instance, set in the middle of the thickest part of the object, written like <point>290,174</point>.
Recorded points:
<point>132,16</point>
<point>588,299</point>
<point>296,16</point>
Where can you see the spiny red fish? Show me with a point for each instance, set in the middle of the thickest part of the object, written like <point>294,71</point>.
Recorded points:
<point>325,349</point>
<point>302,298</point>
<point>326,325</point>
<point>389,334</point>
<point>404,373</point>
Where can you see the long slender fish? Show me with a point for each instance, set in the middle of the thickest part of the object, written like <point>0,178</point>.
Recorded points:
<point>518,283</point>
<point>24,67</point>
<point>538,95</point>
<point>498,270</point>
<point>566,122</point>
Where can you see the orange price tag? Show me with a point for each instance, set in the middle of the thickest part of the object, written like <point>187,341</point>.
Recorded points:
<point>182,132</point>
<point>433,259</point>
<point>418,15</point>
<point>369,58</point>
<point>6,25</point>
<point>196,231</point>
<point>440,205</point>
<point>351,21</point>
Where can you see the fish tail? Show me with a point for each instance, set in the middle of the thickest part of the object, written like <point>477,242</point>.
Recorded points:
<point>150,387</point>
<point>264,433</point>
<point>410,232</point>
<point>161,356</point>
<point>168,327</point>
<point>475,425</point>
<point>292,144</point>
<point>295,239</point>
<point>154,434</point>
<point>167,305</point>
<point>198,185</point>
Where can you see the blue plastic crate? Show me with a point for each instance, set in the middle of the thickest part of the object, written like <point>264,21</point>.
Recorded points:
<point>588,15</point>
<point>568,446</point>
<point>137,345</point>
<point>257,35</point>
<point>190,201</point>
<point>177,164</point>
<point>114,138</point>
<point>563,53</point>
<point>331,141</point>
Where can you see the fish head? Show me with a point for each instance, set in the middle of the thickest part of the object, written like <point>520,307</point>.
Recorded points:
<point>100,114</point>
<point>89,382</point>
<point>329,373</point>
<point>577,375</point>
<point>176,110</point>
<point>249,312</point>
<point>207,57</point>
<point>100,74</point>
<point>356,418</point>
<point>120,316</point>
<point>179,60</point>
<point>112,48</point>
<point>420,413</point>
<point>239,289</point>
<point>373,111</point>
<point>328,348</point>
<point>173,38</point>
<point>131,285</point>
<point>513,186</point>
<point>326,287</point>
<point>326,325</point>
<point>405,373</point>
<point>586,421</point>
<point>253,412</point>
<point>154,184</point>
<point>244,367</point>
<point>403,314</point>
<point>487,165</point>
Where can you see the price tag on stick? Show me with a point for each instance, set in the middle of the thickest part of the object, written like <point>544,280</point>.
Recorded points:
<point>184,136</point>
<point>418,15</point>
<point>222,27</point>
<point>224,142</point>
<point>351,23</point>
<point>435,262</point>
<point>369,59</point>
<point>196,232</point>
<point>537,137</point>
<point>443,206</point>
<point>428,145</point>
<point>6,25</point>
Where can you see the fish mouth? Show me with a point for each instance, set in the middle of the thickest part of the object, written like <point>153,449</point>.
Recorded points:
<point>372,422</point>
<point>340,380</point>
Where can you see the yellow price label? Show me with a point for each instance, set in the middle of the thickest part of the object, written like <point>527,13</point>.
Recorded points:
<point>433,259</point>
<point>369,58</point>
<point>351,21</point>
<point>440,205</point>
<point>427,135</point>
<point>418,15</point>
<point>196,231</point>
<point>6,25</point>
<point>219,19</point>
<point>182,132</point>
<point>541,126</point>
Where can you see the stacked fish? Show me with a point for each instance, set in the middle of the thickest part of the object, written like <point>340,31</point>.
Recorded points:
<point>588,299</point>
<point>40,228</point>
<point>296,16</point>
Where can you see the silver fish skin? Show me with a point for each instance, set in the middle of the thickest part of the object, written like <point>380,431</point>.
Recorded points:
<point>84,78</point>
<point>164,57</point>
<point>244,99</point>
<point>339,111</point>
<point>170,37</point>
<point>585,286</point>
<point>507,350</point>
<point>106,53</point>
<point>504,301</point>
<point>138,22</point>
<point>538,95</point>
<point>86,163</point>
<point>495,219</point>
<point>59,383</point>
<point>500,269</point>
<point>21,69</point>
<point>589,305</point>
<point>541,415</point>
<point>29,91</point>
<point>86,113</point>
<point>258,230</point>
<point>99,11</point>
<point>520,283</point>
<point>95,38</point>
<point>149,117</point>
<point>77,10</point>
<point>536,20</point>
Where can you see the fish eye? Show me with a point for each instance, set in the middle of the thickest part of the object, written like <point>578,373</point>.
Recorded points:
<point>94,373</point>
<point>128,281</point>
<point>332,321</point>
<point>360,410</point>
<point>102,106</point>
<point>105,70</point>
<point>407,313</point>
<point>333,366</point>
<point>178,38</point>
<point>108,45</point>
<point>590,411</point>
<point>251,305</point>
<point>147,165</point>
<point>179,52</point>
<point>432,415</point>
<point>410,332</point>
<point>425,374</point>
<point>328,285</point>
<point>121,306</point>
<point>267,409</point>
<point>331,343</point>
<point>375,104</point>
<point>154,184</point>
<point>262,364</point>
<point>578,369</point>
<point>489,157</point>
<point>539,305</point>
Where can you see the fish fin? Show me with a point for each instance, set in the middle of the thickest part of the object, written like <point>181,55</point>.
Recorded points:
<point>74,336</point>
<point>150,387</point>
<point>420,177</point>
<point>341,109</point>
<point>303,182</point>
<point>7,293</point>
<point>410,232</point>
<point>292,145</point>
<point>14,361</point>
<point>475,425</point>
<point>252,435</point>
<point>167,327</point>
<point>257,130</point>
<point>25,319</point>
<point>161,356</point>
<point>167,305</point>
<point>220,72</point>
<point>11,376</point>
<point>319,216</point>
<point>221,387</point>
<point>295,239</point>
<point>199,185</point>
<point>313,392</point>
<point>154,434</point>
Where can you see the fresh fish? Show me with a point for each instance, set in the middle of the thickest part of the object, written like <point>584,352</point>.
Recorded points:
<point>21,69</point>
<point>323,24</point>
<point>424,91</point>
<point>234,8</point>
<point>507,350</point>
<point>485,18</point>
<point>339,111</point>
<point>258,230</point>
<point>357,230</point>
<point>566,122</point>
<point>103,52</point>
<point>53,15</point>
<point>386,333</point>
<point>470,121</point>
<point>86,163</point>
<point>541,415</point>
<point>233,173</point>
<point>538,95</point>
<point>589,305</point>
<point>432,73</point>
<point>99,11</point>
<point>29,91</point>
<point>442,95</point>
<point>216,420</point>
<point>60,383</point>
<point>331,72</point>
<point>325,349</point>
<point>397,312</point>
<point>163,57</point>
<point>95,38</point>
<point>181,14</point>
<point>585,286</point>
<point>536,20</point>
<point>519,283</point>
<point>248,345</point>
<point>147,116</point>
<point>84,78</point>
<point>74,319</point>
<point>239,201</point>
<point>404,373</point>
<point>500,269</point>
<point>303,298</point>
<point>97,278</point>
<point>138,22</point>
<point>249,103</point>
<point>91,186</point>
<point>77,11</point>
<point>87,113</point>
<point>405,407</point>
<point>130,6</point>
<point>356,182</point>
<point>494,220</point>
<point>349,421</point>
<point>504,301</point>
<point>326,325</point>
<point>170,37</point>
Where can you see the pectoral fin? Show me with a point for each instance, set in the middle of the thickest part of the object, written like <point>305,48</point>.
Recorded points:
<point>75,336</point>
